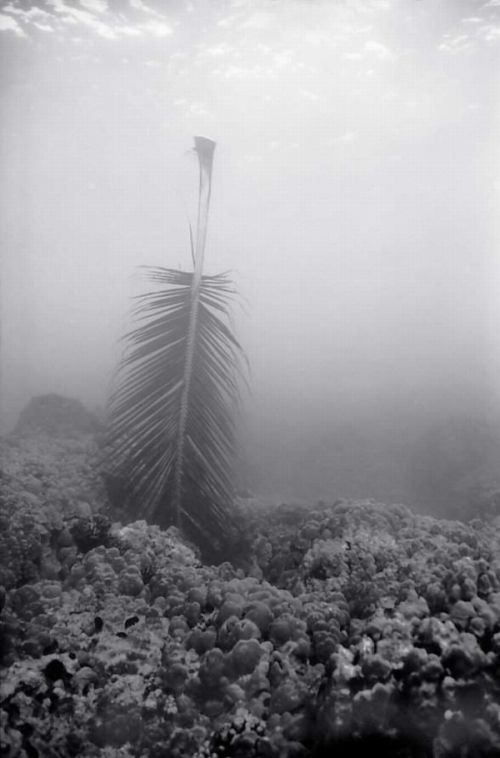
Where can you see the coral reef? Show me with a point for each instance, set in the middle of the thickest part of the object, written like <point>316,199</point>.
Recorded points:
<point>353,627</point>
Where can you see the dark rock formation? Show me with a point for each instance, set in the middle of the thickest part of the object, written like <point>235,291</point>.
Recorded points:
<point>56,416</point>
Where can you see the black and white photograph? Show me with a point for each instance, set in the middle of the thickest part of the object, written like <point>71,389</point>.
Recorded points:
<point>249,378</point>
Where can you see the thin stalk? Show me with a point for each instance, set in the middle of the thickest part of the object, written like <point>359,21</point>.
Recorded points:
<point>205,150</point>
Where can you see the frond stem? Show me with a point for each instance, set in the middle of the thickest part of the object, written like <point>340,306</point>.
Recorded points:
<point>205,149</point>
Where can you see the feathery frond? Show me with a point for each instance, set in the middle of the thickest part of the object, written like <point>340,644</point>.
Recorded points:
<point>171,432</point>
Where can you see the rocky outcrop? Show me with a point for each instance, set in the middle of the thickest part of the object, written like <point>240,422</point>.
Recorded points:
<point>56,416</point>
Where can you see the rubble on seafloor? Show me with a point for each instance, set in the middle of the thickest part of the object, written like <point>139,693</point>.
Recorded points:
<point>357,627</point>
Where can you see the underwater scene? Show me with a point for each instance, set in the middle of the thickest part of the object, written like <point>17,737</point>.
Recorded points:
<point>250,379</point>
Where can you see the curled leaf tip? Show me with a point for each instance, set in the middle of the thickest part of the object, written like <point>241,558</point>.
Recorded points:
<point>205,148</point>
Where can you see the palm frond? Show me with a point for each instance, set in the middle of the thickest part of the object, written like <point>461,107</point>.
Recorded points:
<point>171,433</point>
